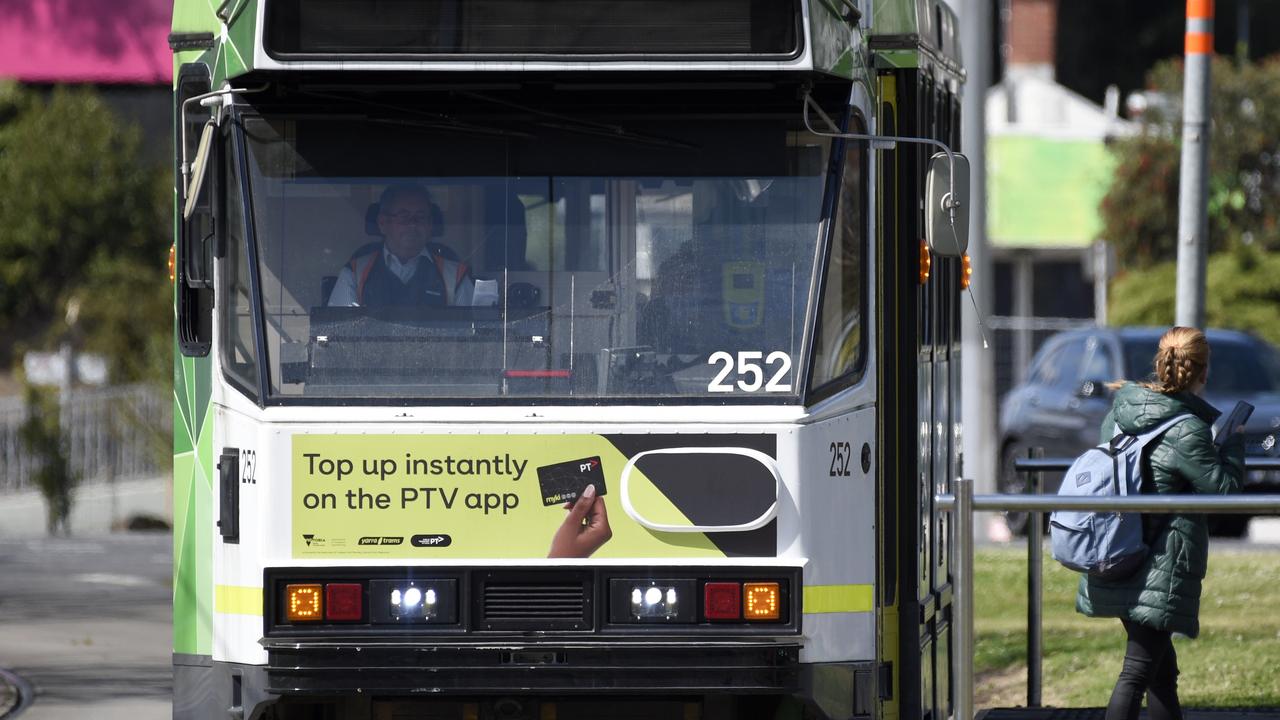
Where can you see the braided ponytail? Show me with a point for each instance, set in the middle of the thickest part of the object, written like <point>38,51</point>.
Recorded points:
<point>1181,360</point>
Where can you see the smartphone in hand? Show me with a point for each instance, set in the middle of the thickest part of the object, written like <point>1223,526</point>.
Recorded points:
<point>1230,423</point>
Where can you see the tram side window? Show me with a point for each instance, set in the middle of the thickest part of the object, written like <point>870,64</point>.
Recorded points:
<point>239,358</point>
<point>839,343</point>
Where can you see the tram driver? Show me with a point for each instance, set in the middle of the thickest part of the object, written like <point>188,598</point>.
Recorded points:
<point>406,268</point>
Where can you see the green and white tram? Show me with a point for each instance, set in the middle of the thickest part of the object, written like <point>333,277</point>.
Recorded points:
<point>563,359</point>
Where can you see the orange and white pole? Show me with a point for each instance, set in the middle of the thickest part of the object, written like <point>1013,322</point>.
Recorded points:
<point>1193,220</point>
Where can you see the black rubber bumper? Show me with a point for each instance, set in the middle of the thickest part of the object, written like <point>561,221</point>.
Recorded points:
<point>313,668</point>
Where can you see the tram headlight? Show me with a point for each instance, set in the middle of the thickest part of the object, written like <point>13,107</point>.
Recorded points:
<point>655,602</point>
<point>410,601</point>
<point>644,600</point>
<point>414,602</point>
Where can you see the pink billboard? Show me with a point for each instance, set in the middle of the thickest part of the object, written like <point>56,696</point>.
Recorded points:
<point>86,41</point>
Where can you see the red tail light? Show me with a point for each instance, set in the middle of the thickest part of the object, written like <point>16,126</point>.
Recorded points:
<point>722,600</point>
<point>343,601</point>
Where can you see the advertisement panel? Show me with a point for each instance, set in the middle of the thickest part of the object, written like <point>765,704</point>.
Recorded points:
<point>534,496</point>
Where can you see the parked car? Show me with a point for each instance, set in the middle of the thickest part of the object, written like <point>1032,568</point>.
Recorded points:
<point>1061,404</point>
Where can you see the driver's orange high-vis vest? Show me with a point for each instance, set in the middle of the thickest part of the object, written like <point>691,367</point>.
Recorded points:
<point>422,289</point>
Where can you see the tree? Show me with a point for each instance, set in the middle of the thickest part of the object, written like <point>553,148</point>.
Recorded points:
<point>1140,209</point>
<point>1242,290</point>
<point>84,222</point>
<point>41,433</point>
<point>81,215</point>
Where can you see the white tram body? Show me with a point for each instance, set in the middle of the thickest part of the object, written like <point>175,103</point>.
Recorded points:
<point>442,265</point>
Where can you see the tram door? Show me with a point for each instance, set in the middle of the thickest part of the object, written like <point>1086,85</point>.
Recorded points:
<point>939,349</point>
<point>920,406</point>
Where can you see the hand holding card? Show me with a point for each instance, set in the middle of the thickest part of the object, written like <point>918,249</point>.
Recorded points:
<point>585,528</point>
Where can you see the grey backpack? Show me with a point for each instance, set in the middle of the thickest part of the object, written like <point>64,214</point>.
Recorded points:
<point>1106,545</point>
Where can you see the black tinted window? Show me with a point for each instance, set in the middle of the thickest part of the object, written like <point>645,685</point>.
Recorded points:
<point>1240,368</point>
<point>522,27</point>
<point>1235,368</point>
<point>1138,355</point>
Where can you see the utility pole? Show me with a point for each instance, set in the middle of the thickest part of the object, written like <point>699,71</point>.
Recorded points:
<point>977,368</point>
<point>1193,220</point>
<point>1242,31</point>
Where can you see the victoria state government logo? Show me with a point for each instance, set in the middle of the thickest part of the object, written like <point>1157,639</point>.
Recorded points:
<point>311,540</point>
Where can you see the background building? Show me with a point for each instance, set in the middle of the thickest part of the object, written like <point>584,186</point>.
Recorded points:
<point>1048,168</point>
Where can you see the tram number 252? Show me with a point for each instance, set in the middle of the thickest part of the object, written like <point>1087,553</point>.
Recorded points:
<point>749,371</point>
<point>840,454</point>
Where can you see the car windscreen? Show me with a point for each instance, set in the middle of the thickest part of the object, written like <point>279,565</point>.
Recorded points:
<point>603,258</point>
<point>1235,367</point>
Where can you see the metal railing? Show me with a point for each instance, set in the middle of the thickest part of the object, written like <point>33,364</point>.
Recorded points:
<point>112,433</point>
<point>1035,469</point>
<point>963,503</point>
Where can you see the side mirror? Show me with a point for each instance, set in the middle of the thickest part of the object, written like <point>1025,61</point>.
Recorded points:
<point>197,228</point>
<point>199,167</point>
<point>193,266</point>
<point>946,193</point>
<point>1092,389</point>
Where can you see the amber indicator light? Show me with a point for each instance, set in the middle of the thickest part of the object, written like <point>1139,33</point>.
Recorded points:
<point>761,601</point>
<point>926,262</point>
<point>303,603</point>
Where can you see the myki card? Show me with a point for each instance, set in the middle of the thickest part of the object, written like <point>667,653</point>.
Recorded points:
<point>564,482</point>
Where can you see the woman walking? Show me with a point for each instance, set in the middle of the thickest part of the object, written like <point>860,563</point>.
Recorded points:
<point>1163,596</point>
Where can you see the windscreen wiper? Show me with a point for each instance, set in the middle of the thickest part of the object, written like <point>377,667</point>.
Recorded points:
<point>418,118</point>
<point>581,126</point>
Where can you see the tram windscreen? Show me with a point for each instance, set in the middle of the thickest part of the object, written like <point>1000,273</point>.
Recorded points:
<point>649,257</point>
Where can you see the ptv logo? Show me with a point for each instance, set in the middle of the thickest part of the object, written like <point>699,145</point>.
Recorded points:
<point>588,466</point>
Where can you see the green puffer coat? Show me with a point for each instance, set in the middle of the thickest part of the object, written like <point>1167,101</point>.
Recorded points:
<point>1165,592</point>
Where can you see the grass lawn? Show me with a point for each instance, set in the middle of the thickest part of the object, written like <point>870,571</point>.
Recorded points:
<point>1234,663</point>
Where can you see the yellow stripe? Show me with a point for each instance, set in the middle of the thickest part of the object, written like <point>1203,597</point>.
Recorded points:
<point>237,600</point>
<point>837,599</point>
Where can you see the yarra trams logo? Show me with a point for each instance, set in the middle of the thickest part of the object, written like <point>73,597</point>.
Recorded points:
<point>438,540</point>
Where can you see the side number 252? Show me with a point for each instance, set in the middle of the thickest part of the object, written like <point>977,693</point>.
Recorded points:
<point>750,372</point>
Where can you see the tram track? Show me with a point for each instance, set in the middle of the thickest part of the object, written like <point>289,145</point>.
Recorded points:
<point>22,691</point>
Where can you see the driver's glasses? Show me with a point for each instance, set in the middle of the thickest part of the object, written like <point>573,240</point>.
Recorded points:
<point>407,218</point>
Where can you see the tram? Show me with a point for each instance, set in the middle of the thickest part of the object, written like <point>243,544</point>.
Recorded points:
<point>564,359</point>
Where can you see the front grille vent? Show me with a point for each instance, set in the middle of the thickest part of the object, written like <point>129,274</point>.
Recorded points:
<point>553,605</point>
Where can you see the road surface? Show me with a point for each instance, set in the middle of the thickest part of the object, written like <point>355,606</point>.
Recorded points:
<point>87,622</point>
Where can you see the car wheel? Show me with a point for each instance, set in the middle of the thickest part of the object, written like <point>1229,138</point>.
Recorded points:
<point>1230,526</point>
<point>1012,482</point>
